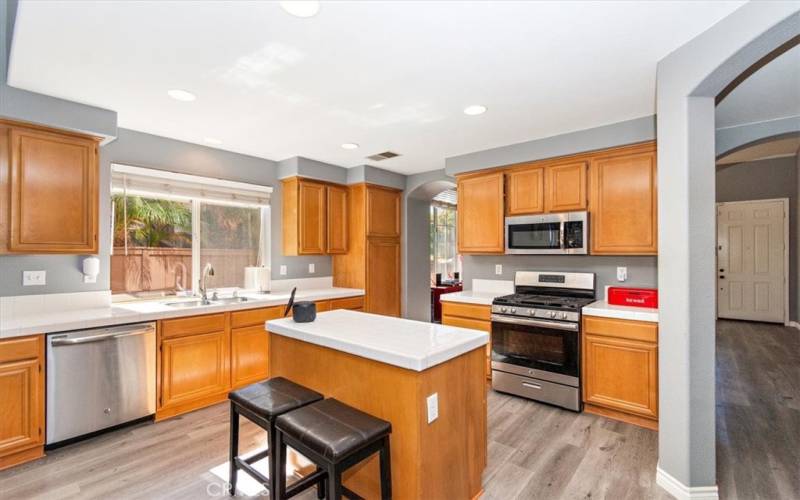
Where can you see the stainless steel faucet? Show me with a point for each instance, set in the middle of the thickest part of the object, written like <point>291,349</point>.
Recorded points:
<point>207,271</point>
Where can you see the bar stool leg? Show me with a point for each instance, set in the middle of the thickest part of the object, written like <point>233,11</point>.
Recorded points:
<point>272,439</point>
<point>234,451</point>
<point>334,485</point>
<point>280,460</point>
<point>321,487</point>
<point>386,470</point>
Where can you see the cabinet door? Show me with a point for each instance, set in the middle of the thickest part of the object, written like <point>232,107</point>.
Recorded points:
<point>480,213</point>
<point>383,277</point>
<point>337,219</point>
<point>21,405</point>
<point>249,355</point>
<point>623,205</point>
<point>383,212</point>
<point>525,189</point>
<point>53,193</point>
<point>194,367</point>
<point>312,218</point>
<point>566,187</point>
<point>621,374</point>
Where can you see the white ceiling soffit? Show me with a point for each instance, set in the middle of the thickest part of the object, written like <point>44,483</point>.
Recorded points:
<point>385,75</point>
<point>771,92</point>
<point>778,148</point>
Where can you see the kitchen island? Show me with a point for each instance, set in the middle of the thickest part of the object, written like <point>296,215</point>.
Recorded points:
<point>390,367</point>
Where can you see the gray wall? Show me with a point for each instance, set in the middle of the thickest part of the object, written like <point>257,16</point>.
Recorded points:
<point>616,134</point>
<point>642,270</point>
<point>305,167</point>
<point>797,229</point>
<point>763,180</point>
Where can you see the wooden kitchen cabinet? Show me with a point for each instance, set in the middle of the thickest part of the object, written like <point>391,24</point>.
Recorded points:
<point>623,202</point>
<point>474,316</point>
<point>620,369</point>
<point>21,400</point>
<point>481,223</point>
<point>304,217</point>
<point>373,261</point>
<point>565,187</point>
<point>525,191</point>
<point>48,191</point>
<point>337,221</point>
<point>352,303</point>
<point>249,355</point>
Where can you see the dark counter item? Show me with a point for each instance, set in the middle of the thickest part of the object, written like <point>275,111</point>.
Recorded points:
<point>304,312</point>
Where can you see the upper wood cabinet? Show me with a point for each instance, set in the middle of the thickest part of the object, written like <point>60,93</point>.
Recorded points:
<point>315,217</point>
<point>481,223</point>
<point>623,203</point>
<point>525,191</point>
<point>48,191</point>
<point>566,187</point>
<point>22,401</point>
<point>383,212</point>
<point>337,221</point>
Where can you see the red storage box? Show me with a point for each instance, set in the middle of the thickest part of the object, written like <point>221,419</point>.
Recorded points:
<point>636,297</point>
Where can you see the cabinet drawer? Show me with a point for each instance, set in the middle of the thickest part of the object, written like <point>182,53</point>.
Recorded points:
<point>192,325</point>
<point>621,328</point>
<point>475,324</point>
<point>473,311</point>
<point>252,317</point>
<point>17,349</point>
<point>323,305</point>
<point>348,303</point>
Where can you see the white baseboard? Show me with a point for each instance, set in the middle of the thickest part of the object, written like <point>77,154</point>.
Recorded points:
<point>682,492</point>
<point>793,324</point>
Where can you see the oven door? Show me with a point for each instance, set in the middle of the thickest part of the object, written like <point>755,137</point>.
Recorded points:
<point>544,349</point>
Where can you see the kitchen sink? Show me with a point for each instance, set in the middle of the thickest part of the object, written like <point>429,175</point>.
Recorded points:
<point>190,303</point>
<point>231,300</point>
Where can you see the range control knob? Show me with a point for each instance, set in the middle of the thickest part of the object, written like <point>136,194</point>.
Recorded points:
<point>563,315</point>
<point>503,309</point>
<point>552,314</point>
<point>513,310</point>
<point>532,312</point>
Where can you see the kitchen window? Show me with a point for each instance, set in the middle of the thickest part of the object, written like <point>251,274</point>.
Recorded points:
<point>168,226</point>
<point>443,250</point>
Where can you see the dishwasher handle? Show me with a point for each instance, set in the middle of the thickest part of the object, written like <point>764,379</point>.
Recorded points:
<point>113,333</point>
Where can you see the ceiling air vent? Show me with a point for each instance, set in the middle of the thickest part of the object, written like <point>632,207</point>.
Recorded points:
<point>383,156</point>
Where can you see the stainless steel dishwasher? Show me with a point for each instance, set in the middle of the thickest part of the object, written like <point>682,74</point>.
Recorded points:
<point>99,378</point>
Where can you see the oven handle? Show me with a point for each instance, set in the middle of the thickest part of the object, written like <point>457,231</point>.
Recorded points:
<point>572,327</point>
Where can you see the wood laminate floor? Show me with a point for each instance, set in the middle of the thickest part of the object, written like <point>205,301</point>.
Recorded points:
<point>535,451</point>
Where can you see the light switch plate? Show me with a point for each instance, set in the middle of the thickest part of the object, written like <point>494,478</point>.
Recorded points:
<point>498,269</point>
<point>34,278</point>
<point>282,270</point>
<point>622,274</point>
<point>433,407</point>
<point>311,269</point>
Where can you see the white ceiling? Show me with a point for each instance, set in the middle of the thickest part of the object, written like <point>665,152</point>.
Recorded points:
<point>386,75</point>
<point>771,92</point>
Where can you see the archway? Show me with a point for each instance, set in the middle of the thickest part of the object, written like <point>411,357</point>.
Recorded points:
<point>689,81</point>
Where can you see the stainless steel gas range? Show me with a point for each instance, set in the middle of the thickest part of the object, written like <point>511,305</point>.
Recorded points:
<point>536,337</point>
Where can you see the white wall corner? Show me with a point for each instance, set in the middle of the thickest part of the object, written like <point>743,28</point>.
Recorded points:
<point>682,492</point>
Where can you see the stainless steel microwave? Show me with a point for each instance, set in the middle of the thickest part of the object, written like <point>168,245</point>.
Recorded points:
<point>564,233</point>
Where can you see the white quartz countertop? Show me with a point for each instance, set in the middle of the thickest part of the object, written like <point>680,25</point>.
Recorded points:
<point>15,325</point>
<point>471,297</point>
<point>603,309</point>
<point>414,345</point>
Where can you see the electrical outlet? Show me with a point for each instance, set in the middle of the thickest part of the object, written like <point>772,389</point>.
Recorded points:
<point>282,270</point>
<point>34,278</point>
<point>622,273</point>
<point>498,269</point>
<point>433,407</point>
<point>311,269</point>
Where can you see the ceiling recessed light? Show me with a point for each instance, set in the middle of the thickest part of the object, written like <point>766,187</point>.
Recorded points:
<point>475,109</point>
<point>301,8</point>
<point>181,95</point>
<point>349,145</point>
<point>212,140</point>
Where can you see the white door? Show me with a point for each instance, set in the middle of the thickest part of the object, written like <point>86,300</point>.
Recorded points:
<point>751,258</point>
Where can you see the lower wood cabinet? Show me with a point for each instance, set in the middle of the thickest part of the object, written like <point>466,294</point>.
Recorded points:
<point>21,400</point>
<point>474,316</point>
<point>204,357</point>
<point>620,369</point>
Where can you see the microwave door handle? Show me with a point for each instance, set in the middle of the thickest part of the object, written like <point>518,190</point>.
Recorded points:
<point>562,236</point>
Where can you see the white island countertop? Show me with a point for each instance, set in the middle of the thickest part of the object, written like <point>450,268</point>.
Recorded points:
<point>414,345</point>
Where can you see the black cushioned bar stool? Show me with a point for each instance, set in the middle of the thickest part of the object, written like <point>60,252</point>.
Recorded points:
<point>335,437</point>
<point>262,403</point>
